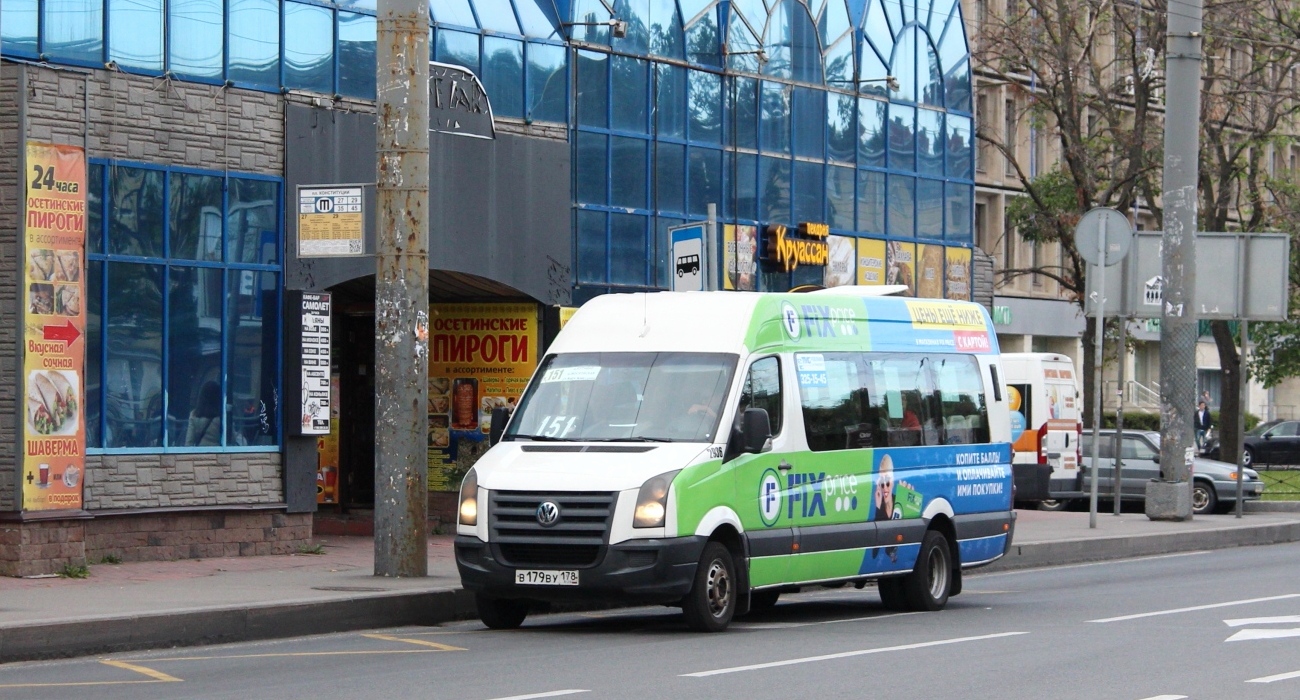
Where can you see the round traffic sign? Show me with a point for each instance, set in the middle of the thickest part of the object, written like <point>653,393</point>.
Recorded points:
<point>1103,236</point>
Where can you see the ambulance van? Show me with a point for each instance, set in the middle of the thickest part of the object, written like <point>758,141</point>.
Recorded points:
<point>1046,426</point>
<point>713,450</point>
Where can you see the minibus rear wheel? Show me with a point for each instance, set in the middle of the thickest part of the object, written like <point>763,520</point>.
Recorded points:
<point>501,613</point>
<point>711,603</point>
<point>928,586</point>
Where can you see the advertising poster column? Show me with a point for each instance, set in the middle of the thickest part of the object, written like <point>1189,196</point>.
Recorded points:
<point>54,321</point>
<point>480,358</point>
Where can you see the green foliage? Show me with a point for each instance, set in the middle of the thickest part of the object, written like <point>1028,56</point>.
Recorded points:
<point>1054,220</point>
<point>311,549</point>
<point>71,570</point>
<point>110,559</point>
<point>1143,420</point>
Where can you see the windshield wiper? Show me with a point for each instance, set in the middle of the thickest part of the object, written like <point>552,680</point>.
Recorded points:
<point>637,438</point>
<point>539,438</point>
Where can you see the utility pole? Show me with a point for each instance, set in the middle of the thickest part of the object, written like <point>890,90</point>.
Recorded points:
<point>1170,498</point>
<point>402,289</point>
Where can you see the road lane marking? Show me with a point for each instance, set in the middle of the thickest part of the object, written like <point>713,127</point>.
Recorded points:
<point>371,652</point>
<point>1251,635</point>
<point>1278,677</point>
<point>156,675</point>
<point>75,684</point>
<point>1280,620</point>
<point>420,642</point>
<point>791,625</point>
<point>1166,697</point>
<point>846,654</point>
<point>1194,608</point>
<point>1040,569</point>
<point>548,694</point>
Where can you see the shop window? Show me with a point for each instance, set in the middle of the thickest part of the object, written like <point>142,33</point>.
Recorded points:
<point>809,123</point>
<point>73,30</point>
<point>670,177</point>
<point>457,49</point>
<point>455,12</point>
<point>871,201</point>
<point>630,99</point>
<point>929,209</point>
<point>593,89</point>
<point>628,172</point>
<point>627,249</point>
<point>503,75</point>
<point>308,47</point>
<point>182,348</point>
<point>357,55</point>
<point>196,31</point>
<point>872,134</point>
<point>705,107</point>
<point>254,43</point>
<point>547,83</point>
<point>670,101</point>
<point>809,192</point>
<point>135,34</point>
<point>705,179</point>
<point>901,206</point>
<point>19,20</point>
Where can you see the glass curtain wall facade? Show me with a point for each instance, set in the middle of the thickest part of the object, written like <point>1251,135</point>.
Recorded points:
<point>778,111</point>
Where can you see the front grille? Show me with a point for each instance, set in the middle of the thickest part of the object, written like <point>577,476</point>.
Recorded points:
<point>576,540</point>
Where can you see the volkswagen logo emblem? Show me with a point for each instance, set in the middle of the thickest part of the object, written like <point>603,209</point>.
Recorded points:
<point>548,513</point>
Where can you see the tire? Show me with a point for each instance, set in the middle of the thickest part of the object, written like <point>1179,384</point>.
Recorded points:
<point>891,593</point>
<point>711,603</point>
<point>928,586</point>
<point>501,613</point>
<point>1248,456</point>
<point>1204,499</point>
<point>1054,505</point>
<point>680,272</point>
<point>763,600</point>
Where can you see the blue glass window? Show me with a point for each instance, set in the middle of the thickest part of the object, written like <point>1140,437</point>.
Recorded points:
<point>745,119</point>
<point>255,43</point>
<point>592,164</point>
<point>903,64</point>
<point>252,352</point>
<point>456,48</point>
<point>702,40</point>
<point>670,101</point>
<point>809,192</point>
<point>809,123</point>
<point>18,25</point>
<point>959,146</point>
<point>455,12</point>
<point>871,202</point>
<point>929,75</point>
<point>670,177</point>
<point>878,32</point>
<point>929,209</point>
<point>197,34</point>
<point>955,61</point>
<point>592,14</point>
<point>94,209</point>
<point>357,55</point>
<point>73,30</point>
<point>593,89</point>
<point>745,184</point>
<point>840,195</point>
<point>252,226</point>
<point>873,74</point>
<point>841,141</point>
<point>872,138</point>
<point>663,248</point>
<point>194,208</point>
<point>503,75</point>
<point>930,141</point>
<point>547,83</point>
<point>194,406</point>
<point>497,15</point>
<point>774,118</point>
<point>133,388</point>
<point>628,172</point>
<point>627,249</point>
<point>902,138</point>
<point>135,209</point>
<point>902,206</point>
<point>535,20</point>
<point>839,63</point>
<point>774,190</point>
<point>705,107</point>
<point>135,34</point>
<point>592,245</point>
<point>95,344</point>
<point>308,47</point>
<point>959,213</point>
<point>630,99</point>
<point>705,179</point>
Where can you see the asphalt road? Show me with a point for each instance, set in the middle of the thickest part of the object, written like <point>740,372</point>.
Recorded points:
<point>1203,625</point>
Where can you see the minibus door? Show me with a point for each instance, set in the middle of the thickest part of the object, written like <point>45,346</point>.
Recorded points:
<point>761,478</point>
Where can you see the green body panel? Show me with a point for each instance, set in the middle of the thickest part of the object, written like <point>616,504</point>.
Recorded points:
<point>700,488</point>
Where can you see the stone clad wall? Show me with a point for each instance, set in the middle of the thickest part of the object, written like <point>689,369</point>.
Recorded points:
<point>161,481</point>
<point>10,206</point>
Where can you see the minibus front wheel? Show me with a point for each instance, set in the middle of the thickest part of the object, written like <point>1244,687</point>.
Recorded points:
<point>711,603</point>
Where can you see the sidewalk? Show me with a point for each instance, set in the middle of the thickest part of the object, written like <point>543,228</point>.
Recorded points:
<point>160,604</point>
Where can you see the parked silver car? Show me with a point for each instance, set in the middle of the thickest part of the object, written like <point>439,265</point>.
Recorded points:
<point>1214,484</point>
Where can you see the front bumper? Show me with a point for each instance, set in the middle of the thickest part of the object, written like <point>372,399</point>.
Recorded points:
<point>651,571</point>
<point>1227,490</point>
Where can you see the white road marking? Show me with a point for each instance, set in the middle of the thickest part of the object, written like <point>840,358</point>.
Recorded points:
<point>1281,620</point>
<point>1251,635</point>
<point>1037,569</point>
<point>1194,608</point>
<point>1166,697</point>
<point>549,694</point>
<point>846,654</point>
<point>790,625</point>
<point>1278,677</point>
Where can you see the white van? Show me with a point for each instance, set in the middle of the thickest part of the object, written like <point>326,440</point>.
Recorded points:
<point>1046,425</point>
<point>715,449</point>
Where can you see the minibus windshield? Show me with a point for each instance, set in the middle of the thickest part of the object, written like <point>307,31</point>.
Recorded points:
<point>625,397</point>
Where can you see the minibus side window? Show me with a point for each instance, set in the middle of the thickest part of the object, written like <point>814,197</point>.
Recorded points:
<point>903,400</point>
<point>762,389</point>
<point>961,399</point>
<point>834,395</point>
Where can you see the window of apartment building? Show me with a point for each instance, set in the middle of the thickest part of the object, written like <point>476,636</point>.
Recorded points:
<point>1035,262</point>
<point>1008,245</point>
<point>1009,134</point>
<point>183,302</point>
<point>982,233</point>
<point>982,114</point>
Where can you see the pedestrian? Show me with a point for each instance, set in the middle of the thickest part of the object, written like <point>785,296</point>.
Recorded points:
<point>1203,424</point>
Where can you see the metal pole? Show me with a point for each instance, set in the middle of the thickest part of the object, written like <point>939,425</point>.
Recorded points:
<point>1119,395</point>
<point>402,289</point>
<point>711,248</point>
<point>1099,335</point>
<point>1241,424</point>
<point>1170,498</point>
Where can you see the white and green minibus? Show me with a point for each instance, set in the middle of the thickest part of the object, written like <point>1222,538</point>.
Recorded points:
<point>713,450</point>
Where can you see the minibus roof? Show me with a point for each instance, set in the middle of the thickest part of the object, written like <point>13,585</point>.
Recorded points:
<point>743,322</point>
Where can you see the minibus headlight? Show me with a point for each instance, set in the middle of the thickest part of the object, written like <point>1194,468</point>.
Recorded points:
<point>469,499</point>
<point>652,501</point>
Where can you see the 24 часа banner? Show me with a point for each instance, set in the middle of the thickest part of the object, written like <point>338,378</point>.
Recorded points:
<point>480,358</point>
<point>54,323</point>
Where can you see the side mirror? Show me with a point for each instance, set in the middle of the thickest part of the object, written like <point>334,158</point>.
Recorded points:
<point>500,416</point>
<point>755,431</point>
<point>1268,436</point>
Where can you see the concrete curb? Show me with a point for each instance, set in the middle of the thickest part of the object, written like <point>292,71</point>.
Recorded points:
<point>428,607</point>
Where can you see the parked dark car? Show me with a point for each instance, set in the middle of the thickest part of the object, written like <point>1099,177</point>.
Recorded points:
<point>1274,442</point>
